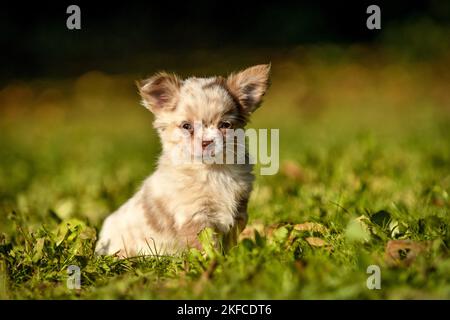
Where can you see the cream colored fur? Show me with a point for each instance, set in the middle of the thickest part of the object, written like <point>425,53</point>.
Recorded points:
<point>180,199</point>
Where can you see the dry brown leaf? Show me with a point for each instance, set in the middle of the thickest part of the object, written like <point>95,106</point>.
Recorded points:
<point>316,242</point>
<point>403,252</point>
<point>292,170</point>
<point>310,226</point>
<point>249,231</point>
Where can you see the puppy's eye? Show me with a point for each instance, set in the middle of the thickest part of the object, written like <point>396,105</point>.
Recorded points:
<point>187,126</point>
<point>225,125</point>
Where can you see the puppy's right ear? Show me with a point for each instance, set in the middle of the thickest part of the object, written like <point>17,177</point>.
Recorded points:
<point>160,92</point>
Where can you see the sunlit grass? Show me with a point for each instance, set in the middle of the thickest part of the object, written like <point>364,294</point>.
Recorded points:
<point>357,138</point>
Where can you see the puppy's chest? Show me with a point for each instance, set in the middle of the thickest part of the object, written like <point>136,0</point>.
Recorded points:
<point>213,196</point>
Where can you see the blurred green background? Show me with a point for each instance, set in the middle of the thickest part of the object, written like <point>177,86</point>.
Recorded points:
<point>364,115</point>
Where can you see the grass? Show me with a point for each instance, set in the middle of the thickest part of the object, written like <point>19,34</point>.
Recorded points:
<point>364,152</point>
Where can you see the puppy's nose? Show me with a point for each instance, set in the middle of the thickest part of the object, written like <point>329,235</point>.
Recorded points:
<point>206,143</point>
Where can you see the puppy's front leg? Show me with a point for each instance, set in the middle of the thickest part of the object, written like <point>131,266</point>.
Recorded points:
<point>231,238</point>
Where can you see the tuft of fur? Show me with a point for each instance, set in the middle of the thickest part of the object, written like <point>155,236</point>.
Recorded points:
<point>179,200</point>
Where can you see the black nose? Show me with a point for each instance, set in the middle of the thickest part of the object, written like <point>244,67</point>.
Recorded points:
<point>206,143</point>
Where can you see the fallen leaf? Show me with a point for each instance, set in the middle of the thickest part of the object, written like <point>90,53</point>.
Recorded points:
<point>292,170</point>
<point>403,252</point>
<point>310,226</point>
<point>249,231</point>
<point>316,242</point>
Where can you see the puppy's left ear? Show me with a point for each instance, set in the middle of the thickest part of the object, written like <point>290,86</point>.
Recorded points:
<point>250,85</point>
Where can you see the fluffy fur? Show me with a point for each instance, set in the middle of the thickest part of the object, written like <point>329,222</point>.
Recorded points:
<point>180,199</point>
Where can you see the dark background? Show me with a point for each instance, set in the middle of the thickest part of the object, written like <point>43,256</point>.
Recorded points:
<point>36,43</point>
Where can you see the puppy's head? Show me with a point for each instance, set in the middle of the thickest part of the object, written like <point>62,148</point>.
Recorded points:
<point>195,115</point>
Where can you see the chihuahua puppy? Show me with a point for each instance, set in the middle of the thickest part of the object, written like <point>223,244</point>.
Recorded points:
<point>181,198</point>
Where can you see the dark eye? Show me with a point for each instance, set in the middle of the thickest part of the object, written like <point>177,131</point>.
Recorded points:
<point>225,125</point>
<point>186,126</point>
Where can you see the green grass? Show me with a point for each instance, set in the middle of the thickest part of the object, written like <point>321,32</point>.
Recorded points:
<point>358,139</point>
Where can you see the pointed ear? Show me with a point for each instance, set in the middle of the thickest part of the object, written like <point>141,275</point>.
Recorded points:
<point>160,92</point>
<point>250,85</point>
